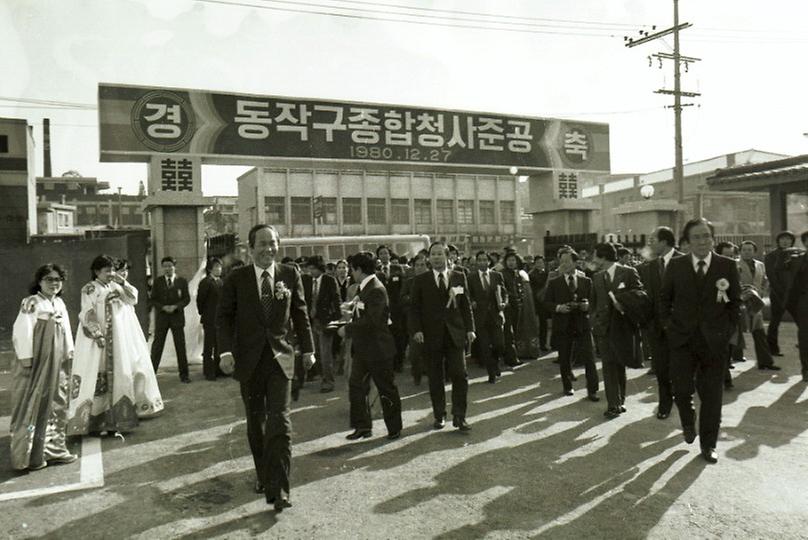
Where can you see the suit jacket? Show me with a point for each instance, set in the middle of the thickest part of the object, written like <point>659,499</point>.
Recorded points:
<point>393,285</point>
<point>538,283</point>
<point>775,271</point>
<point>368,328</point>
<point>485,304</point>
<point>797,284</point>
<point>176,295</point>
<point>620,331</point>
<point>687,309</point>
<point>558,292</point>
<point>343,289</point>
<point>243,329</point>
<point>759,280</point>
<point>652,280</point>
<point>429,314</point>
<point>326,307</point>
<point>207,299</point>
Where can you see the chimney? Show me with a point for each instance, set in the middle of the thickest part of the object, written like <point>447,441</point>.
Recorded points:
<point>46,151</point>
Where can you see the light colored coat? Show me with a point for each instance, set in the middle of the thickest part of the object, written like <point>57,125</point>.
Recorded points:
<point>761,284</point>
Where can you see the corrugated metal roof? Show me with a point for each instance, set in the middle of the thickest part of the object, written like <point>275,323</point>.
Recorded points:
<point>726,176</point>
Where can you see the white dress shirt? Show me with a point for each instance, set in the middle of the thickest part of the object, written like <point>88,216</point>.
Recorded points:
<point>666,259</point>
<point>445,273</point>
<point>707,260</point>
<point>365,282</point>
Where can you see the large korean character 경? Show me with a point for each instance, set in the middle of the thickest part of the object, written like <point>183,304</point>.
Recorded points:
<point>253,118</point>
<point>365,125</point>
<point>398,128</point>
<point>294,118</point>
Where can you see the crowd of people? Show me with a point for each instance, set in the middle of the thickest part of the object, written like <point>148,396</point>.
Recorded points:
<point>685,306</point>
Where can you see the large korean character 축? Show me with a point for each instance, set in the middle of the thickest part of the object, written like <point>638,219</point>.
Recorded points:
<point>365,125</point>
<point>335,116</point>
<point>253,117</point>
<point>293,118</point>
<point>576,143</point>
<point>398,128</point>
<point>430,130</point>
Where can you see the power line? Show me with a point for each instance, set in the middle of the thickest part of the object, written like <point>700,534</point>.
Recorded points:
<point>389,19</point>
<point>49,103</point>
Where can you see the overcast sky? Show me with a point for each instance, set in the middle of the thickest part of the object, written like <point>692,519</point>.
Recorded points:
<point>752,76</point>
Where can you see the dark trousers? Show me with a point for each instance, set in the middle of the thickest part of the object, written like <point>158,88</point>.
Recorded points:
<point>764,357</point>
<point>662,368</point>
<point>582,345</point>
<point>776,316</point>
<point>543,326</point>
<point>455,363</point>
<point>614,374</point>
<point>161,328</point>
<point>696,368</point>
<point>210,352</point>
<point>415,354</point>
<point>269,427</point>
<point>380,369</point>
<point>800,314</point>
<point>511,330</point>
<point>399,331</point>
<point>490,343</point>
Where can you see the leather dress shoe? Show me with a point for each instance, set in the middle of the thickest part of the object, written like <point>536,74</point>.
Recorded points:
<point>393,436</point>
<point>662,415</point>
<point>460,423</point>
<point>728,385</point>
<point>622,408</point>
<point>359,434</point>
<point>709,455</point>
<point>258,487</point>
<point>185,379</point>
<point>440,423</point>
<point>38,467</point>
<point>777,353</point>
<point>741,359</point>
<point>569,392</point>
<point>280,503</point>
<point>593,397</point>
<point>63,459</point>
<point>689,433</point>
<point>326,389</point>
<point>771,367</point>
<point>611,414</point>
<point>492,379</point>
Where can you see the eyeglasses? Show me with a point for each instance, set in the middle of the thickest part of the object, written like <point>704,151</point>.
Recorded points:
<point>50,279</point>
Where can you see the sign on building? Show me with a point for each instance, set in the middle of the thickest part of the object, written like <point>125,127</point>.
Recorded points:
<point>224,128</point>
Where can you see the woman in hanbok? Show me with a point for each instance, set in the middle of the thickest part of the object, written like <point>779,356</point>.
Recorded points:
<point>43,345</point>
<point>521,324</point>
<point>107,357</point>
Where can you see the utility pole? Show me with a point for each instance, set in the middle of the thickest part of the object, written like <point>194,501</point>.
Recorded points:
<point>677,93</point>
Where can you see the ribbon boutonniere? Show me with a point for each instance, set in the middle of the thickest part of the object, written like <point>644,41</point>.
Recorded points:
<point>281,291</point>
<point>722,285</point>
<point>454,292</point>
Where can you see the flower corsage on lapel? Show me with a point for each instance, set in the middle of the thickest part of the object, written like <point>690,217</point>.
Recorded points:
<point>454,292</point>
<point>282,292</point>
<point>722,285</point>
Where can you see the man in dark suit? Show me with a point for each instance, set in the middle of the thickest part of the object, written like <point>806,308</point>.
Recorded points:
<point>207,300</point>
<point>255,308</point>
<point>796,298</point>
<point>169,297</point>
<point>488,300</point>
<point>568,297</point>
<point>613,332</point>
<point>415,350</point>
<point>323,301</point>
<point>393,282</point>
<point>700,307</point>
<point>373,352</point>
<point>661,242</point>
<point>538,284</point>
<point>441,319</point>
<point>775,271</point>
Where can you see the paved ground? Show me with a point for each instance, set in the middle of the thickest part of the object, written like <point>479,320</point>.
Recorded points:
<point>537,464</point>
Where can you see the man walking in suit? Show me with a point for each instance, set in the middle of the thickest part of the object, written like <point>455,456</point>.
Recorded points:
<point>568,297</point>
<point>700,308</point>
<point>207,300</point>
<point>796,298</point>
<point>169,297</point>
<point>613,332</point>
<point>441,319</point>
<point>662,242</point>
<point>255,309</point>
<point>754,282</point>
<point>373,352</point>
<point>488,299</point>
<point>323,308</point>
<point>775,271</point>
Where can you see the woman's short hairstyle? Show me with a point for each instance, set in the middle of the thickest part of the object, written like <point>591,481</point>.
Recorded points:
<point>102,261</point>
<point>43,271</point>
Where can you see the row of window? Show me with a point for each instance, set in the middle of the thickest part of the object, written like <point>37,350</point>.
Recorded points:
<point>448,211</point>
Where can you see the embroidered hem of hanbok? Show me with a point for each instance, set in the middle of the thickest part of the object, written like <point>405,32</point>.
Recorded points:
<point>42,337</point>
<point>112,383</point>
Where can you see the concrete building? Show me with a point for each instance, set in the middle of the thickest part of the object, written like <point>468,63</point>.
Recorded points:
<point>18,221</point>
<point>56,219</point>
<point>636,203</point>
<point>471,211</point>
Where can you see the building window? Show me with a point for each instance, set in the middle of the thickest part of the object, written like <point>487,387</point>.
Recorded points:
<point>3,144</point>
<point>330,210</point>
<point>506,210</point>
<point>423,211</point>
<point>487,213</point>
<point>465,212</point>
<point>301,210</point>
<point>274,210</point>
<point>446,211</point>
<point>63,219</point>
<point>400,208</point>
<point>90,210</point>
<point>377,211</point>
<point>351,210</point>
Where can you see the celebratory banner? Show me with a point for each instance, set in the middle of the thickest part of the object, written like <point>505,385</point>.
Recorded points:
<point>136,122</point>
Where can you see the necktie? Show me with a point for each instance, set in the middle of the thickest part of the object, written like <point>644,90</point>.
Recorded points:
<point>485,281</point>
<point>751,265</point>
<point>170,283</point>
<point>608,279</point>
<point>700,271</point>
<point>661,267</point>
<point>266,292</point>
<point>441,284</point>
<point>316,290</point>
<point>571,282</point>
